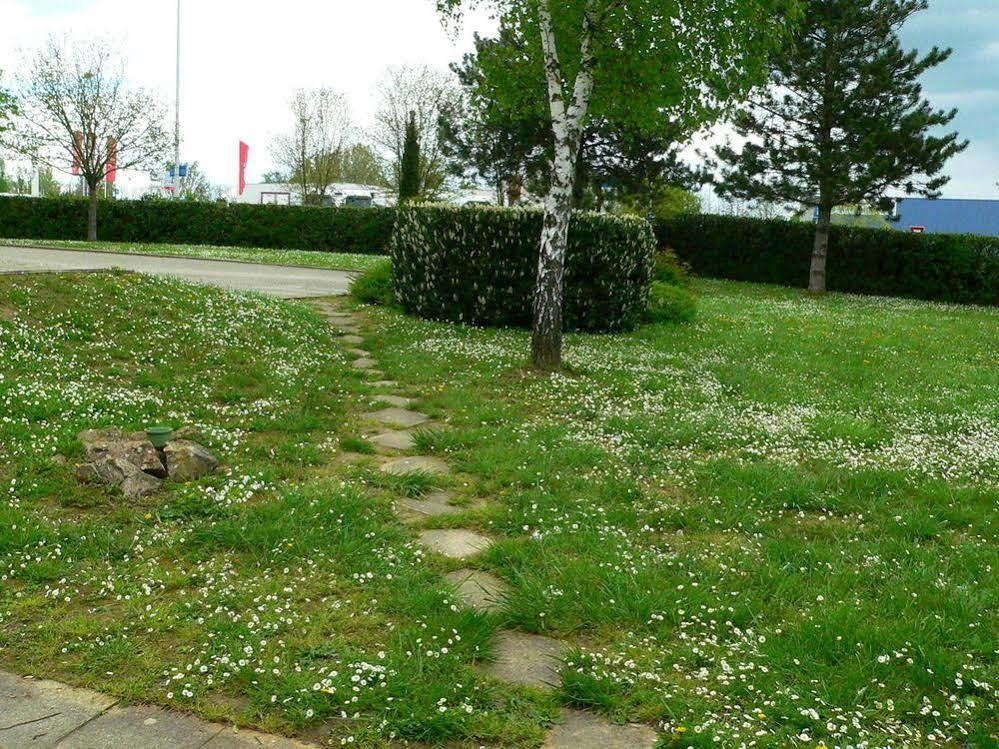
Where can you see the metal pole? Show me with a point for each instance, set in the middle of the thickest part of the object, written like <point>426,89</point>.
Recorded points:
<point>176,131</point>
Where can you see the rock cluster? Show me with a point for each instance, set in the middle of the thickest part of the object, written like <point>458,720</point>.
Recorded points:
<point>130,462</point>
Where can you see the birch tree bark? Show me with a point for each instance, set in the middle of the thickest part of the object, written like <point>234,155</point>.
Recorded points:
<point>567,125</point>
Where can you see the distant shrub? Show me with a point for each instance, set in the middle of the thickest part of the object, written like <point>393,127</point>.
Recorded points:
<point>375,286</point>
<point>359,230</point>
<point>671,269</point>
<point>669,303</point>
<point>479,266</point>
<point>944,267</point>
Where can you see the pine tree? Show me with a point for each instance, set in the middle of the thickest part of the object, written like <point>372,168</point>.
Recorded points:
<point>409,173</point>
<point>843,119</point>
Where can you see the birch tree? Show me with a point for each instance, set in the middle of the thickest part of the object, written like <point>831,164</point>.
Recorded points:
<point>77,114</point>
<point>627,61</point>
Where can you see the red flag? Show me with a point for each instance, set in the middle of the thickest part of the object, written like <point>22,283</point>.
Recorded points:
<point>112,161</point>
<point>244,156</point>
<point>77,153</point>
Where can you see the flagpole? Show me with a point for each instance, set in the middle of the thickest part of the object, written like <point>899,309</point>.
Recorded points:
<point>176,131</point>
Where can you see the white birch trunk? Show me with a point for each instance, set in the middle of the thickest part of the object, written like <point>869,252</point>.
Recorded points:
<point>567,125</point>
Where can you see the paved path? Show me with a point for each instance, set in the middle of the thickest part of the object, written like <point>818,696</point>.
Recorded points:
<point>37,714</point>
<point>275,280</point>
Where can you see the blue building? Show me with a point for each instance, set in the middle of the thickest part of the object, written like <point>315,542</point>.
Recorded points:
<point>944,216</point>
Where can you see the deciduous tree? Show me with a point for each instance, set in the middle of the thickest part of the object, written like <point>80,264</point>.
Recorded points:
<point>78,114</point>
<point>312,152</point>
<point>843,119</point>
<point>624,61</point>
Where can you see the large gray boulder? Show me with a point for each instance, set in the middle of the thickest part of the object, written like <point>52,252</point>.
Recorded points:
<point>188,461</point>
<point>114,444</point>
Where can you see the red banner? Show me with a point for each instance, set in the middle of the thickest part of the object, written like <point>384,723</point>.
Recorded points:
<point>244,156</point>
<point>77,154</point>
<point>112,172</point>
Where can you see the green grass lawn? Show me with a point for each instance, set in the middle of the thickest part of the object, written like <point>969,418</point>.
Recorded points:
<point>330,260</point>
<point>773,527</point>
<point>776,525</point>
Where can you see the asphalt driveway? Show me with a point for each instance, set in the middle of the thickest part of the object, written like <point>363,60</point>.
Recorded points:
<point>275,280</point>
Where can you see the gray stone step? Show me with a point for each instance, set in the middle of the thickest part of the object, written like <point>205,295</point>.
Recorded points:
<point>394,440</point>
<point>394,400</point>
<point>398,417</point>
<point>359,352</point>
<point>479,590</point>
<point>384,384</point>
<point>529,660</point>
<point>434,504</point>
<point>581,730</point>
<point>365,363</point>
<point>455,543</point>
<point>354,340</point>
<point>416,464</point>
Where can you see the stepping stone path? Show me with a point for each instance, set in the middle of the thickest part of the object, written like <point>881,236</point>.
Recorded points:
<point>399,418</point>
<point>416,465</point>
<point>529,660</point>
<point>479,590</point>
<point>434,504</point>
<point>519,658</point>
<point>587,731</point>
<point>37,714</point>
<point>455,543</point>
<point>394,400</point>
<point>394,440</point>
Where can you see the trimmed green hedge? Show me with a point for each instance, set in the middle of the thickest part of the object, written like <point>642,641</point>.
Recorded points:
<point>479,266</point>
<point>944,267</point>
<point>359,230</point>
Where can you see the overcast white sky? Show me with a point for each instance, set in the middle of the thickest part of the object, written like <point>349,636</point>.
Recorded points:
<point>242,59</point>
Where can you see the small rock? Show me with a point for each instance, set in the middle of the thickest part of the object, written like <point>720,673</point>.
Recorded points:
<point>138,484</point>
<point>134,448</point>
<point>352,339</point>
<point>365,363</point>
<point>188,461</point>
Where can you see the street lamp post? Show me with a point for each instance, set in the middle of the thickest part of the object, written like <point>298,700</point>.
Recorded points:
<point>176,130</point>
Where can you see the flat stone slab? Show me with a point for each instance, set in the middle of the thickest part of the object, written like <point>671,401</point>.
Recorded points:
<point>416,464</point>
<point>394,440</point>
<point>359,352</point>
<point>479,590</point>
<point>141,727</point>
<point>587,731</point>
<point>398,417</point>
<point>455,543</point>
<point>365,363</point>
<point>434,504</point>
<point>394,400</point>
<point>37,713</point>
<point>385,384</point>
<point>354,340</point>
<point>529,660</point>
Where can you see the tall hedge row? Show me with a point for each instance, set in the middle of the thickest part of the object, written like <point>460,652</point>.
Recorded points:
<point>479,266</point>
<point>944,267</point>
<point>360,230</point>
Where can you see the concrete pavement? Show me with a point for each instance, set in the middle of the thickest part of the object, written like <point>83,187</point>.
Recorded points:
<point>275,280</point>
<point>38,714</point>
